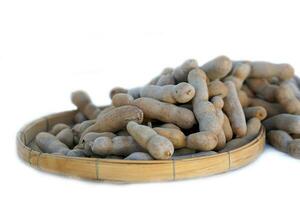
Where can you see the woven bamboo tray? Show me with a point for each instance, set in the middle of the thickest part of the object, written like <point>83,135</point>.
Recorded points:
<point>125,170</point>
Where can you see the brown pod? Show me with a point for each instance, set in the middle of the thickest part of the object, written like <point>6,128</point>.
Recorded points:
<point>234,111</point>
<point>50,144</point>
<point>139,156</point>
<point>165,71</point>
<point>77,153</point>
<point>84,104</point>
<point>176,136</point>
<point>181,73</point>
<point>243,98</point>
<point>253,127</point>
<point>66,136</point>
<point>183,152</point>
<point>262,69</point>
<point>124,146</point>
<point>166,112</point>
<point>219,103</point>
<point>286,122</point>
<point>202,141</point>
<point>116,119</point>
<point>247,90</point>
<point>255,111</point>
<point>294,148</point>
<point>263,89</point>
<point>227,128</point>
<point>240,71</point>
<point>79,117</point>
<point>57,128</point>
<point>170,125</point>
<point>217,68</point>
<point>166,79</point>
<point>271,108</point>
<point>286,97</point>
<point>217,88</point>
<point>134,92</point>
<point>122,99</point>
<point>91,136</point>
<point>279,139</point>
<point>180,93</point>
<point>158,146</point>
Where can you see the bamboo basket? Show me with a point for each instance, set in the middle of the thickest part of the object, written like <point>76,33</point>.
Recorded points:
<point>125,170</point>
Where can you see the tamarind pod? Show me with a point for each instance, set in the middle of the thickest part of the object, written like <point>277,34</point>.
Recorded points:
<point>262,69</point>
<point>139,156</point>
<point>255,111</point>
<point>158,146</point>
<point>166,79</point>
<point>271,108</point>
<point>234,111</point>
<point>202,141</point>
<point>217,88</point>
<point>217,68</point>
<point>286,97</point>
<point>170,125</point>
<point>66,136</point>
<point>77,153</point>
<point>286,122</point>
<point>243,98</point>
<point>240,71</point>
<point>50,144</point>
<point>183,151</point>
<point>181,73</point>
<point>279,139</point>
<point>294,148</point>
<point>227,128</point>
<point>262,88</point>
<point>176,136</point>
<point>124,146</point>
<point>57,128</point>
<point>79,117</point>
<point>134,92</point>
<point>248,91</point>
<point>180,93</point>
<point>116,119</point>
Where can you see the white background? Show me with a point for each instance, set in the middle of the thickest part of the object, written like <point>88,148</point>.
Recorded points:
<point>50,48</point>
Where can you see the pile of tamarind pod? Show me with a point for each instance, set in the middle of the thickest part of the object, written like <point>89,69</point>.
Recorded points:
<point>189,111</point>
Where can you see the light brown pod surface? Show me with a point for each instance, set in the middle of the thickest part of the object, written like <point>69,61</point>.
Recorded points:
<point>158,146</point>
<point>263,89</point>
<point>77,153</point>
<point>181,73</point>
<point>50,144</point>
<point>84,104</point>
<point>139,156</point>
<point>255,111</point>
<point>248,91</point>
<point>180,93</point>
<point>217,88</point>
<point>102,146</point>
<point>170,125</point>
<point>124,145</point>
<point>227,128</point>
<point>279,139</point>
<point>176,136</point>
<point>243,98</point>
<point>240,71</point>
<point>217,68</point>
<point>134,92</point>
<point>286,97</point>
<point>121,99</point>
<point>66,136</point>
<point>183,151</point>
<point>202,141</point>
<point>271,108</point>
<point>262,69</point>
<point>166,79</point>
<point>197,78</point>
<point>253,127</point>
<point>116,119</point>
<point>91,136</point>
<point>294,148</point>
<point>57,128</point>
<point>234,111</point>
<point>165,112</point>
<point>286,122</point>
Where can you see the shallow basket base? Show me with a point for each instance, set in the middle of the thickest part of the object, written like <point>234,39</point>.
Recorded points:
<point>125,170</point>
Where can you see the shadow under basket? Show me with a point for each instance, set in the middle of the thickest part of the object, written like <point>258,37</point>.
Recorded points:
<point>129,170</point>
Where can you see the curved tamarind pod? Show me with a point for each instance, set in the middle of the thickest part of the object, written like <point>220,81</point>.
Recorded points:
<point>271,108</point>
<point>217,68</point>
<point>266,70</point>
<point>286,97</point>
<point>176,136</point>
<point>240,71</point>
<point>84,104</point>
<point>255,111</point>
<point>134,92</point>
<point>181,73</point>
<point>234,111</point>
<point>180,93</point>
<point>279,139</point>
<point>139,156</point>
<point>116,119</point>
<point>286,122</point>
<point>50,144</point>
<point>158,146</point>
<point>263,89</point>
<point>217,88</point>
